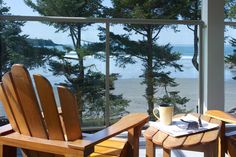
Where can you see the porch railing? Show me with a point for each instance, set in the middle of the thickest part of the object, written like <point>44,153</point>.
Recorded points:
<point>108,22</point>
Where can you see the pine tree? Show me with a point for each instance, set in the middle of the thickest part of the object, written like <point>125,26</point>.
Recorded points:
<point>14,47</point>
<point>230,9</point>
<point>231,59</point>
<point>230,14</point>
<point>192,11</point>
<point>155,58</point>
<point>88,85</point>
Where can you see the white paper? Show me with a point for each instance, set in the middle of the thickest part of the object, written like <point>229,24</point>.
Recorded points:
<point>179,128</point>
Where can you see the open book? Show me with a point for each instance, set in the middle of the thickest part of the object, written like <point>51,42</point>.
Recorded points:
<point>179,128</point>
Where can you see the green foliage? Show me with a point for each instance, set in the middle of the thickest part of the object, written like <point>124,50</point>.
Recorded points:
<point>230,9</point>
<point>15,48</point>
<point>174,98</point>
<point>231,59</point>
<point>171,97</point>
<point>191,10</point>
<point>41,42</point>
<point>146,8</point>
<point>71,8</point>
<point>155,58</point>
<point>90,90</point>
<point>88,85</point>
<point>230,13</point>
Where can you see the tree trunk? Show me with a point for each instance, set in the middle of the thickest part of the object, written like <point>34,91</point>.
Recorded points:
<point>80,78</point>
<point>149,75</point>
<point>195,30</point>
<point>195,54</point>
<point>1,45</point>
<point>1,49</point>
<point>80,56</point>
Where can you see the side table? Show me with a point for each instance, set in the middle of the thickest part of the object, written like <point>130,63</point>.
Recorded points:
<point>206,141</point>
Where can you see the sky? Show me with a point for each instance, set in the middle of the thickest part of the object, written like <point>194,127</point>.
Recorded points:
<point>43,31</point>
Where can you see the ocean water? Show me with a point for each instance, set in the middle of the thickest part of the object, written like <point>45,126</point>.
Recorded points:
<point>131,71</point>
<point>187,50</point>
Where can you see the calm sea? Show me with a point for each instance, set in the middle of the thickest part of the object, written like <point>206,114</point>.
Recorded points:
<point>136,69</point>
<point>187,50</point>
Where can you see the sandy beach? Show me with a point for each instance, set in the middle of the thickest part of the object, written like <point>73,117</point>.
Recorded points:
<point>230,94</point>
<point>188,87</point>
<point>134,91</point>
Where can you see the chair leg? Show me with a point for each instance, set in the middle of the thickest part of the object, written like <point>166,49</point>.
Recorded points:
<point>133,138</point>
<point>216,148</point>
<point>127,150</point>
<point>166,152</point>
<point>231,148</point>
<point>7,151</point>
<point>150,148</point>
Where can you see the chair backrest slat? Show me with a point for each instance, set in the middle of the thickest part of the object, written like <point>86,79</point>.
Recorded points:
<point>14,103</point>
<point>28,101</point>
<point>70,114</point>
<point>23,111</point>
<point>49,107</point>
<point>7,107</point>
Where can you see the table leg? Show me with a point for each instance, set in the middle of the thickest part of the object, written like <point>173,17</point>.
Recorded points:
<point>212,150</point>
<point>150,148</point>
<point>222,141</point>
<point>166,152</point>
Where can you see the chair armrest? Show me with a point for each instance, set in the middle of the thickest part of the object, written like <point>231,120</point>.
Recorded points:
<point>44,145</point>
<point>80,147</point>
<point>128,122</point>
<point>221,115</point>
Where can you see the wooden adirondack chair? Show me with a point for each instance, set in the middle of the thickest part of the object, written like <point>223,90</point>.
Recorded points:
<point>41,131</point>
<point>227,139</point>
